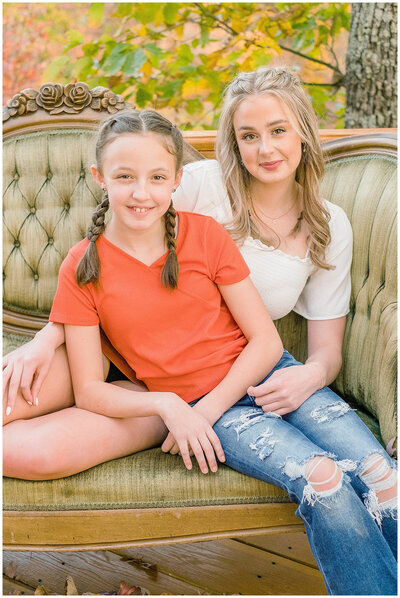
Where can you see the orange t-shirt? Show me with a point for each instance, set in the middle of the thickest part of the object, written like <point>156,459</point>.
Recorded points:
<point>182,341</point>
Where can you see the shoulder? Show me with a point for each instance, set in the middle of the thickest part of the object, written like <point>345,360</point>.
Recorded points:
<point>202,168</point>
<point>201,222</point>
<point>75,254</point>
<point>339,224</point>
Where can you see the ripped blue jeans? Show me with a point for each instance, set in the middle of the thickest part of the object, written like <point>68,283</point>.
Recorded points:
<point>352,537</point>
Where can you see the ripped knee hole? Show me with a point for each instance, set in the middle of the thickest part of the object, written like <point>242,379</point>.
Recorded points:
<point>324,475</point>
<point>377,474</point>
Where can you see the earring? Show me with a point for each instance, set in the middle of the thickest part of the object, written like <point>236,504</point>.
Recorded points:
<point>303,148</point>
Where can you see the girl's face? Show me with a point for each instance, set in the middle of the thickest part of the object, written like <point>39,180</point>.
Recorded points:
<point>269,145</point>
<point>139,174</point>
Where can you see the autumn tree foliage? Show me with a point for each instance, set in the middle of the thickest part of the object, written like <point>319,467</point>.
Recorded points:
<point>178,57</point>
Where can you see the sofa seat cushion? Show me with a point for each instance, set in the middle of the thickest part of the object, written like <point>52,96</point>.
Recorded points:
<point>149,479</point>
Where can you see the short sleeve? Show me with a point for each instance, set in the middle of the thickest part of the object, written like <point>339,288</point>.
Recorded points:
<point>326,294</point>
<point>73,304</point>
<point>202,191</point>
<point>226,263</point>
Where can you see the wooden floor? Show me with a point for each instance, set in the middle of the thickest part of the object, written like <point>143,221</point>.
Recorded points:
<point>278,564</point>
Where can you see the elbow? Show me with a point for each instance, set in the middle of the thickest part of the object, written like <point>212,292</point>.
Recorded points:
<point>277,349</point>
<point>82,398</point>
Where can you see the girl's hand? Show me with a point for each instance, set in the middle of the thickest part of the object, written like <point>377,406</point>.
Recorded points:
<point>25,369</point>
<point>287,389</point>
<point>190,432</point>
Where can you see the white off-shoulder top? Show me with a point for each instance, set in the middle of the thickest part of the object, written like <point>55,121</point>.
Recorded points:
<point>285,282</point>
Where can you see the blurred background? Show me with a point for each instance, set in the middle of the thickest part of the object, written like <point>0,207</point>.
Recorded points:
<point>177,57</point>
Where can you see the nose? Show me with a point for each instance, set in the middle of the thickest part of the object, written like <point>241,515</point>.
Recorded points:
<point>266,145</point>
<point>139,191</point>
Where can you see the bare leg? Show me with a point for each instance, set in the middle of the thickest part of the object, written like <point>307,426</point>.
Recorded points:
<point>56,392</point>
<point>72,440</point>
<point>57,439</point>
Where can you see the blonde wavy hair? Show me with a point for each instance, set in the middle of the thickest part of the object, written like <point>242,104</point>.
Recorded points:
<point>280,82</point>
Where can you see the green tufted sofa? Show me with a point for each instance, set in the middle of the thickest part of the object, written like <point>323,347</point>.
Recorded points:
<point>150,498</point>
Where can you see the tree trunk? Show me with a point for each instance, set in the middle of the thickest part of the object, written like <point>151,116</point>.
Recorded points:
<point>371,66</point>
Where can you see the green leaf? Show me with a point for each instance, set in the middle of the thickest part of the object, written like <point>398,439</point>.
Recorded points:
<point>115,61</point>
<point>170,89</point>
<point>96,14</point>
<point>134,61</point>
<point>185,53</point>
<point>170,12</point>
<point>143,96</point>
<point>73,35</point>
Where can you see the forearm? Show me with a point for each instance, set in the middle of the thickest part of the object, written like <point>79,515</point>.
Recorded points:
<point>52,335</point>
<point>114,401</point>
<point>252,365</point>
<point>324,364</point>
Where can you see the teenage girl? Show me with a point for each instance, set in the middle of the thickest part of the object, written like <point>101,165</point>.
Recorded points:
<point>265,189</point>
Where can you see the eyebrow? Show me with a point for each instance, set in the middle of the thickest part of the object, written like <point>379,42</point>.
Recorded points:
<point>130,167</point>
<point>270,124</point>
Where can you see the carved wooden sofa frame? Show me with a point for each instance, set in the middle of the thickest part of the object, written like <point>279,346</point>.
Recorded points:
<point>174,505</point>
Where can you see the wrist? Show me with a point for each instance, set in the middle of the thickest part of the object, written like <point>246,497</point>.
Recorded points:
<point>319,373</point>
<point>164,402</point>
<point>52,335</point>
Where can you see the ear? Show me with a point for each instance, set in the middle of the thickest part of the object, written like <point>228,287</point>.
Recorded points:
<point>178,178</point>
<point>98,177</point>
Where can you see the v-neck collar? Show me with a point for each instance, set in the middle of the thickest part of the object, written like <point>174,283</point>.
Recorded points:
<point>162,258</point>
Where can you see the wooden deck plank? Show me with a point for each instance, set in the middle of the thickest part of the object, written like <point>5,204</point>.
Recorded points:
<point>293,545</point>
<point>230,567</point>
<point>100,571</point>
<point>12,587</point>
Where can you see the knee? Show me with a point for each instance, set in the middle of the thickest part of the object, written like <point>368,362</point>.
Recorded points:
<point>29,454</point>
<point>324,475</point>
<point>377,474</point>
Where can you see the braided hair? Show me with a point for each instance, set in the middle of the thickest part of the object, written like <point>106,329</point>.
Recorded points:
<point>133,121</point>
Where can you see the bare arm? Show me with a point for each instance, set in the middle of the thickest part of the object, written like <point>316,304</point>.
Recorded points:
<point>325,340</point>
<point>288,388</point>
<point>259,356</point>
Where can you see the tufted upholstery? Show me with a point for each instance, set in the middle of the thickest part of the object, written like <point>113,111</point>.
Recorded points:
<point>48,202</point>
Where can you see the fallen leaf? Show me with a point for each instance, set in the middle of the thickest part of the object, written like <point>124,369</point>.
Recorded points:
<point>43,591</point>
<point>11,570</point>
<point>70,587</point>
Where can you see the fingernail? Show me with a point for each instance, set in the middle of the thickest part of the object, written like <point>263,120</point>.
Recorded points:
<point>30,403</point>
<point>37,402</point>
<point>8,410</point>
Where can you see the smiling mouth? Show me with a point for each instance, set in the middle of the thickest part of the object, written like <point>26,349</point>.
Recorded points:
<point>271,164</point>
<point>140,210</point>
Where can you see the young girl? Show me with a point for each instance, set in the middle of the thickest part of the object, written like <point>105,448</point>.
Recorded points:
<point>173,297</point>
<point>295,433</point>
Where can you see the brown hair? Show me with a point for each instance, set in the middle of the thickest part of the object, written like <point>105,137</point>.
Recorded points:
<point>280,82</point>
<point>133,121</point>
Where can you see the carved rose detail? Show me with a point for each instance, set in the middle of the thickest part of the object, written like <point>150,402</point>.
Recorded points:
<point>106,99</point>
<point>77,95</point>
<point>50,96</point>
<point>21,103</point>
<point>56,98</point>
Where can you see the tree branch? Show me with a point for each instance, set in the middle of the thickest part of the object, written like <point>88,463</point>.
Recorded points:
<point>329,66</point>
